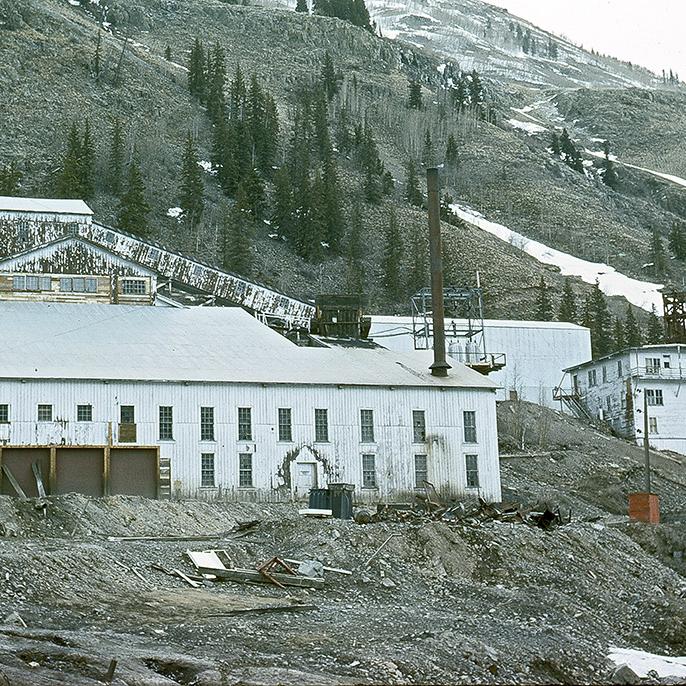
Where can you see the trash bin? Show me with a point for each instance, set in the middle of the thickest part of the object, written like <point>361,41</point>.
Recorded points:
<point>341,499</point>
<point>320,499</point>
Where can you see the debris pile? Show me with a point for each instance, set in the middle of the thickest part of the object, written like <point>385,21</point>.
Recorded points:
<point>469,514</point>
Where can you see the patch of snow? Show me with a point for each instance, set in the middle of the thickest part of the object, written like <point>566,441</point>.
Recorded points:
<point>207,167</point>
<point>598,140</point>
<point>267,222</point>
<point>643,294</point>
<point>441,68</point>
<point>527,126</point>
<point>180,66</point>
<point>274,236</point>
<point>74,3</point>
<point>174,212</point>
<point>642,663</point>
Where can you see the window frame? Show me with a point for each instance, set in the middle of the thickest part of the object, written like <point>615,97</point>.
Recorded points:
<point>653,426</point>
<point>4,410</point>
<point>369,483</point>
<point>467,429</point>
<point>168,423</point>
<point>80,408</point>
<point>244,435</point>
<point>284,424</point>
<point>417,470</point>
<point>207,469</point>
<point>653,369</point>
<point>207,424</point>
<point>655,397</point>
<point>121,414</point>
<point>367,428</point>
<point>321,428</point>
<point>472,483</point>
<point>131,286</point>
<point>42,406</point>
<point>243,471</point>
<point>419,428</point>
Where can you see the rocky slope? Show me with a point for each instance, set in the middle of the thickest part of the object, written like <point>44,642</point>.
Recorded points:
<point>504,171</point>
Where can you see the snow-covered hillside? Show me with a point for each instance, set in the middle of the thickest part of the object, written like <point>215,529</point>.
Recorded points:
<point>489,39</point>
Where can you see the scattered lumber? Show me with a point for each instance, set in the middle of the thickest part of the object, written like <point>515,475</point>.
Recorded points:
<point>315,512</point>
<point>253,575</point>
<point>188,580</point>
<point>335,570</point>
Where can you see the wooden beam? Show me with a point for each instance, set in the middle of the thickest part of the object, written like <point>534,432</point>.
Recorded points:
<point>107,462</point>
<point>52,473</point>
<point>1,469</point>
<point>15,484</point>
<point>255,576</point>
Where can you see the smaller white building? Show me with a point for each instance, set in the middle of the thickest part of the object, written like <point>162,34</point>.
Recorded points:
<point>536,353</point>
<point>613,388</point>
<point>48,210</point>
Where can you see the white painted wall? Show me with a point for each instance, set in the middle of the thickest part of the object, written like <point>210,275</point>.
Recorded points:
<point>338,460</point>
<point>620,396</point>
<point>536,352</point>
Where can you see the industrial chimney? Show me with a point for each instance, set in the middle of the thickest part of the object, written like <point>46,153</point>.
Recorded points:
<point>439,367</point>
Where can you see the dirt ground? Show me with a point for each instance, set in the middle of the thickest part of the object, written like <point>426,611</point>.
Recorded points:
<point>442,602</point>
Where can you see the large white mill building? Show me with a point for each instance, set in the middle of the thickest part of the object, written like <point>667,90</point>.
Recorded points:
<point>101,396</point>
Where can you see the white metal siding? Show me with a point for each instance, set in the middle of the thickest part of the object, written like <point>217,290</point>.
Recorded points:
<point>338,460</point>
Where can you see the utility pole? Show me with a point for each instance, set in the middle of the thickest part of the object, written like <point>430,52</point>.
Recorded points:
<point>646,442</point>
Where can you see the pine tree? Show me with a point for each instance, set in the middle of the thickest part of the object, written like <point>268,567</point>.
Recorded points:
<point>459,94</point>
<point>355,276</point>
<point>414,95</point>
<point>567,311</point>
<point>282,204</point>
<point>391,263</point>
<point>331,205</point>
<point>419,262</point>
<point>555,145</point>
<point>451,153</point>
<point>657,253</point>
<point>677,241</point>
<point>236,244</point>
<point>476,98</point>
<point>168,53</point>
<point>544,308</point>
<point>69,178</point>
<point>133,207</point>
<point>116,159</point>
<point>601,334</point>
<point>191,190</point>
<point>10,179</point>
<point>87,163</point>
<point>216,80</point>
<point>570,154</point>
<point>413,194</point>
<point>301,6</point>
<point>655,332</point>
<point>196,71</point>
<point>610,177</point>
<point>329,79</point>
<point>618,338</point>
<point>632,332</point>
<point>250,197</point>
<point>587,313</point>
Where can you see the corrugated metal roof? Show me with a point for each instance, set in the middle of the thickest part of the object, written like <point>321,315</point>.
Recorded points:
<point>214,344</point>
<point>491,323</point>
<point>51,205</point>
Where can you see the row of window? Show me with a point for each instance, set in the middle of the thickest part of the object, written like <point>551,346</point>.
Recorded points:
<point>369,479</point>
<point>84,413</point>
<point>76,284</point>
<point>653,365</point>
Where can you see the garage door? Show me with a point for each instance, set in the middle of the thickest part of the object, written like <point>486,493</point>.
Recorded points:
<point>79,470</point>
<point>133,471</point>
<point>19,461</point>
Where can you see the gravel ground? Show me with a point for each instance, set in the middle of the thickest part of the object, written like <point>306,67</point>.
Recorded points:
<point>440,603</point>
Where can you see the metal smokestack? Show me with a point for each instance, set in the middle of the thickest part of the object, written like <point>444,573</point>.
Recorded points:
<point>440,367</point>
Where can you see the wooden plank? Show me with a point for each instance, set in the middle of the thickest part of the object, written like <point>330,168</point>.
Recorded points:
<point>15,484</point>
<point>190,582</point>
<point>262,610</point>
<point>255,576</point>
<point>336,570</point>
<point>107,462</point>
<point>35,468</point>
<point>52,474</point>
<point>206,558</point>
